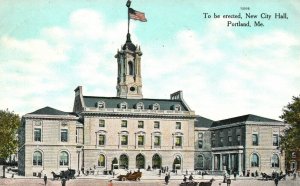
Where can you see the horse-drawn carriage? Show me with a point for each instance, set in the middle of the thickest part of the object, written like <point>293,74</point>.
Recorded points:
<point>68,174</point>
<point>136,176</point>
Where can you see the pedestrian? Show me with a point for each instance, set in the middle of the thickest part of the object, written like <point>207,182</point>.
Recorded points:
<point>167,178</point>
<point>45,179</point>
<point>276,181</point>
<point>202,174</point>
<point>63,182</point>
<point>234,174</point>
<point>110,183</point>
<point>184,179</point>
<point>294,174</point>
<point>228,182</point>
<point>191,177</point>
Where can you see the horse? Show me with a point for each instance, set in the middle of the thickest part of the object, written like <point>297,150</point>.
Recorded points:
<point>55,176</point>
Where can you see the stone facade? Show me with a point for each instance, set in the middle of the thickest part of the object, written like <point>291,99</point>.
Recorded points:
<point>41,145</point>
<point>247,144</point>
<point>132,132</point>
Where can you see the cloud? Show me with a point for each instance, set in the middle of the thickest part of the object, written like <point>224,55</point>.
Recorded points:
<point>221,72</point>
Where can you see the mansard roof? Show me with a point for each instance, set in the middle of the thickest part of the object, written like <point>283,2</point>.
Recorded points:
<point>203,122</point>
<point>50,111</point>
<point>113,102</point>
<point>243,119</point>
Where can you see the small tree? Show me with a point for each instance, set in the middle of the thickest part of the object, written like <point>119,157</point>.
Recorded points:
<point>291,115</point>
<point>9,124</point>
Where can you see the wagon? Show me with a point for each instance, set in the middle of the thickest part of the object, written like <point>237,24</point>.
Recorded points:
<point>136,176</point>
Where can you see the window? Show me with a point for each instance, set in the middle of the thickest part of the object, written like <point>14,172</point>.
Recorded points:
<point>221,141</point>
<point>101,104</point>
<point>141,140</point>
<point>239,139</point>
<point>64,135</point>
<point>156,141</point>
<point>156,124</point>
<point>77,135</point>
<point>130,67</point>
<point>200,161</point>
<point>101,140</point>
<point>213,143</point>
<point>123,105</point>
<point>140,106</point>
<point>200,140</point>
<point>37,134</point>
<point>124,140</point>
<point>101,160</point>
<point>254,160</point>
<point>124,124</point>
<point>275,161</point>
<point>155,106</point>
<point>229,140</point>
<point>101,123</point>
<point>37,159</point>
<point>64,159</point>
<point>178,141</point>
<point>140,124</point>
<point>176,107</point>
<point>255,139</point>
<point>178,125</point>
<point>275,139</point>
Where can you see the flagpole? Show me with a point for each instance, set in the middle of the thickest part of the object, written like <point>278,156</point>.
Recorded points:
<point>128,5</point>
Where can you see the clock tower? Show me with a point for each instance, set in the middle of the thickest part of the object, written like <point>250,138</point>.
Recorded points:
<point>129,83</point>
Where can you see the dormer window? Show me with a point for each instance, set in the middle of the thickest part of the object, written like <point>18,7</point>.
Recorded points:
<point>176,107</point>
<point>139,106</point>
<point>100,104</point>
<point>155,106</point>
<point>123,105</point>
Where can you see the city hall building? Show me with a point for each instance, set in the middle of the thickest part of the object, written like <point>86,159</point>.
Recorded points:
<point>102,133</point>
<point>132,132</point>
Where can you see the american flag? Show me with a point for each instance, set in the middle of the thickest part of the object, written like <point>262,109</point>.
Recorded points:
<point>136,15</point>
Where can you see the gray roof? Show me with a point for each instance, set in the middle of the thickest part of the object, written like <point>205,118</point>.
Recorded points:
<point>243,119</point>
<point>203,122</point>
<point>50,111</point>
<point>113,102</point>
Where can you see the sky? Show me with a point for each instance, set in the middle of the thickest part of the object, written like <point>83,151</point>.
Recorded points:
<point>49,47</point>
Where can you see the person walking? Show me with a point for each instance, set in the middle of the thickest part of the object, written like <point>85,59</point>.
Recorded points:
<point>63,182</point>
<point>276,181</point>
<point>191,177</point>
<point>45,179</point>
<point>167,178</point>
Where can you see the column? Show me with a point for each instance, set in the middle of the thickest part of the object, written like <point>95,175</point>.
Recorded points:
<point>240,164</point>
<point>221,162</point>
<point>213,162</point>
<point>229,162</point>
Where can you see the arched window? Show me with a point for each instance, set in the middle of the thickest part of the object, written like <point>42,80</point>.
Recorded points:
<point>155,106</point>
<point>37,159</point>
<point>123,105</point>
<point>177,162</point>
<point>100,104</point>
<point>275,160</point>
<point>200,161</point>
<point>140,161</point>
<point>64,159</point>
<point>140,105</point>
<point>123,161</point>
<point>101,160</point>
<point>130,67</point>
<point>156,161</point>
<point>254,160</point>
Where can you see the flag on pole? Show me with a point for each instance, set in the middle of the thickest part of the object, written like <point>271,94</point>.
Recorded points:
<point>136,15</point>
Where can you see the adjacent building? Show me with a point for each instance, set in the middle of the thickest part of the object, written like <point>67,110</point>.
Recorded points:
<point>247,144</point>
